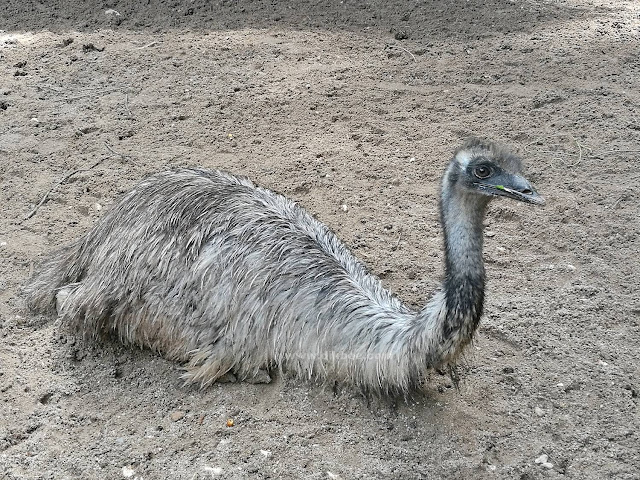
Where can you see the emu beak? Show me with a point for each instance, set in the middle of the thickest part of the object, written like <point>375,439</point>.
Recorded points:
<point>520,189</point>
<point>516,187</point>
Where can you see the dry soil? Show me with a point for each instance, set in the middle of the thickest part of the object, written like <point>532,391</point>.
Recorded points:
<point>351,108</point>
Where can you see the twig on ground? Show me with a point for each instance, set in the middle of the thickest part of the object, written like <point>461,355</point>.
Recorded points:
<point>45,197</point>
<point>147,45</point>
<point>609,152</point>
<point>617,202</point>
<point>126,104</point>
<point>395,247</point>
<point>412,55</point>
<point>117,154</point>
<point>583,150</point>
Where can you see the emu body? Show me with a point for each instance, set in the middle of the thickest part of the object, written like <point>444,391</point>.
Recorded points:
<point>208,268</point>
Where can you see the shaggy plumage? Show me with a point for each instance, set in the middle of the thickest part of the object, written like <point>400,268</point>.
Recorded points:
<point>207,268</point>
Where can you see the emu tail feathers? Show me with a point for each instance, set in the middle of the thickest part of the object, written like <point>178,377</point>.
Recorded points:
<point>58,270</point>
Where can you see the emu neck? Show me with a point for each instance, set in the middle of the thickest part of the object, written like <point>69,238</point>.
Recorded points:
<point>462,215</point>
<point>463,289</point>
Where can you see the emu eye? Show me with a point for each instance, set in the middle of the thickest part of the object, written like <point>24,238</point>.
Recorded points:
<point>482,171</point>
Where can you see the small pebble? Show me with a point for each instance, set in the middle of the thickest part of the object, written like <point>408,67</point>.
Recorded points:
<point>98,207</point>
<point>177,415</point>
<point>539,411</point>
<point>344,208</point>
<point>542,458</point>
<point>128,472</point>
<point>213,470</point>
<point>266,453</point>
<point>489,233</point>
<point>547,465</point>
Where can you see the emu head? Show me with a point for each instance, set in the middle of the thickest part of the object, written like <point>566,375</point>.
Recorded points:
<point>484,170</point>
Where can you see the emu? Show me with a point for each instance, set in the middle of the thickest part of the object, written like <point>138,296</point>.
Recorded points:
<point>211,270</point>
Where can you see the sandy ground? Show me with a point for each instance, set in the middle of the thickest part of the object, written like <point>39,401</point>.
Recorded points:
<point>356,103</point>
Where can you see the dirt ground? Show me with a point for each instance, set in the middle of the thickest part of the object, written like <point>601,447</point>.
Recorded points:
<point>352,108</point>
